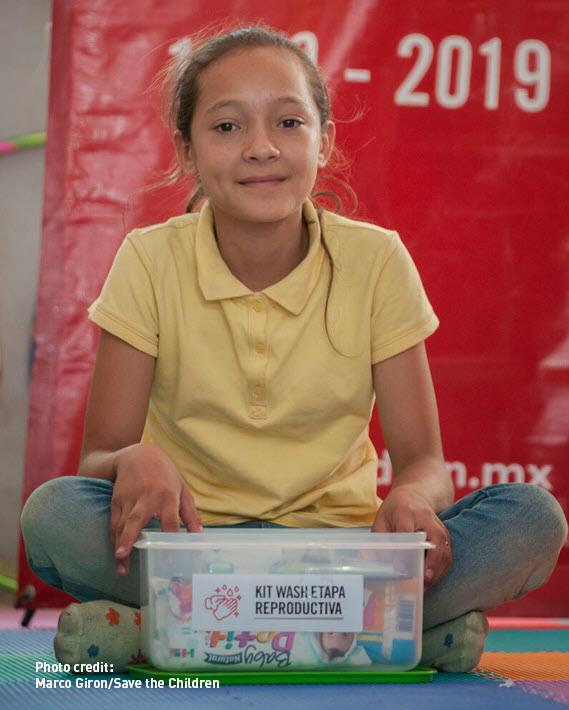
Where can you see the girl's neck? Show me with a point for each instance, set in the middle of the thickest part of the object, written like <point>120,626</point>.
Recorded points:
<point>261,254</point>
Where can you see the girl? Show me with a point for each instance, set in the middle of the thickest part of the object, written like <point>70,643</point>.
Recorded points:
<point>241,351</point>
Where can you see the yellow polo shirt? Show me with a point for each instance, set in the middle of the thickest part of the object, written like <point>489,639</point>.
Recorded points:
<point>264,412</point>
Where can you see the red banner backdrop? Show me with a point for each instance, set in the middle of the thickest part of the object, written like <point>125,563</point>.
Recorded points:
<point>462,147</point>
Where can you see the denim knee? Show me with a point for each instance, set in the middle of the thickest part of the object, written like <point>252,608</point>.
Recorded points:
<point>54,511</point>
<point>37,511</point>
<point>538,530</point>
<point>540,515</point>
<point>42,513</point>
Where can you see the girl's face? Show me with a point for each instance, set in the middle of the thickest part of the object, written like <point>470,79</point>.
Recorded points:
<point>256,141</point>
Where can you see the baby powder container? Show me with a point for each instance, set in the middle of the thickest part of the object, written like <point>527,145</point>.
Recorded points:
<point>282,600</point>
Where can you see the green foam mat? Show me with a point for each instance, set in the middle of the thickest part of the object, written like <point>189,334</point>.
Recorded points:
<point>417,675</point>
<point>522,641</point>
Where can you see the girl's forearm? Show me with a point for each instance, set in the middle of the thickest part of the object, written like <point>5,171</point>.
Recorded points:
<point>101,464</point>
<point>428,476</point>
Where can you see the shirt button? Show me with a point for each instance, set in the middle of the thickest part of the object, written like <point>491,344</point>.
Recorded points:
<point>258,306</point>
<point>258,389</point>
<point>260,348</point>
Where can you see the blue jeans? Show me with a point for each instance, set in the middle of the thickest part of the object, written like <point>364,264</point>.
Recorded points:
<point>505,543</point>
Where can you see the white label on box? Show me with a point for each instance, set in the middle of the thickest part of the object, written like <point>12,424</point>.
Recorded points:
<point>284,602</point>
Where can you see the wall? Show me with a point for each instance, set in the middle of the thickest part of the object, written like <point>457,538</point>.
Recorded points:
<point>24,61</point>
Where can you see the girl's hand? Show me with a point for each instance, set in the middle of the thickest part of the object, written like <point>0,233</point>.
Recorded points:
<point>147,484</point>
<point>406,510</point>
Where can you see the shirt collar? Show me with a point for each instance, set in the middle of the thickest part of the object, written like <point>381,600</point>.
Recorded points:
<point>217,282</point>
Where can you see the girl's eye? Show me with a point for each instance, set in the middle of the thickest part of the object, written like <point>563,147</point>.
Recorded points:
<point>225,127</point>
<point>291,122</point>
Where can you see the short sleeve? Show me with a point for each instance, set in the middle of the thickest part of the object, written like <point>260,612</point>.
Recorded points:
<point>127,306</point>
<point>401,314</point>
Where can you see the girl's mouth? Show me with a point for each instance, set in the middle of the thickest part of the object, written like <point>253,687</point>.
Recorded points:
<point>262,181</point>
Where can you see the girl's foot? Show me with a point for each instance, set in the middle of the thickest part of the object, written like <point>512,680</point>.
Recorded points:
<point>455,646</point>
<point>99,631</point>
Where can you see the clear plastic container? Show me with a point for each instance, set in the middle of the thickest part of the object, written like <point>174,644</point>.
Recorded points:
<point>271,599</point>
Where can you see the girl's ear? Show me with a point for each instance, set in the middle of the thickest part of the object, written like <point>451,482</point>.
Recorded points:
<point>326,144</point>
<point>184,153</point>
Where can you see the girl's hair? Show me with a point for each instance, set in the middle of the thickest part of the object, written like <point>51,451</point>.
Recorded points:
<point>182,94</point>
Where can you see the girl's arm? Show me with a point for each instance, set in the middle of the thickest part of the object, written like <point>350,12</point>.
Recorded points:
<point>117,406</point>
<point>146,481</point>
<point>421,483</point>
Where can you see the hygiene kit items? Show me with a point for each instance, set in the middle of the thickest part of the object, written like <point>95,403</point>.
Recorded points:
<point>275,600</point>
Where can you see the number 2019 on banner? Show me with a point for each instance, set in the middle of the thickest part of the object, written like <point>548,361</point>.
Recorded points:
<point>532,69</point>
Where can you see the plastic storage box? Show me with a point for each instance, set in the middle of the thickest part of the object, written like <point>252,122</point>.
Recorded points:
<point>275,600</point>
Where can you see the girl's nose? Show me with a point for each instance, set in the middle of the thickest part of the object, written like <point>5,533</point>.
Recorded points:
<point>259,146</point>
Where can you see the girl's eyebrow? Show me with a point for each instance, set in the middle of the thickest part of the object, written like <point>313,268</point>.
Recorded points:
<point>225,103</point>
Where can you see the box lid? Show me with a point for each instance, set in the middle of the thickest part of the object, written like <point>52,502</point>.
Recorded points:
<point>332,538</point>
